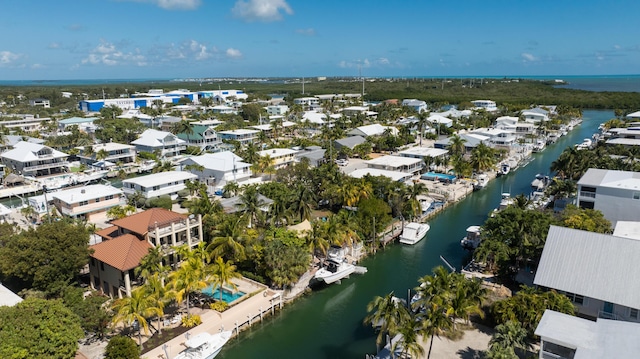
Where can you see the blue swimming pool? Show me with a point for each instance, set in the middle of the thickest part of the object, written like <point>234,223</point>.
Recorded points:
<point>227,296</point>
<point>432,176</point>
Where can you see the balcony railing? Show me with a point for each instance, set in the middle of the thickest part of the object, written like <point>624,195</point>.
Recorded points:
<point>45,166</point>
<point>607,315</point>
<point>588,194</point>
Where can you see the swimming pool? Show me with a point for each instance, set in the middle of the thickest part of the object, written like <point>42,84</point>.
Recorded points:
<point>443,177</point>
<point>227,296</point>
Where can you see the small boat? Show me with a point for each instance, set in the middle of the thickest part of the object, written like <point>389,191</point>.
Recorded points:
<point>413,232</point>
<point>538,146</point>
<point>481,182</point>
<point>425,203</point>
<point>540,182</point>
<point>335,267</point>
<point>472,239</point>
<point>204,345</point>
<point>585,145</point>
<point>505,168</point>
<point>505,201</point>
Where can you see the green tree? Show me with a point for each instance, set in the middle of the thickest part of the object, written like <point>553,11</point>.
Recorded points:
<point>46,258</point>
<point>39,328</point>
<point>585,219</point>
<point>191,276</point>
<point>389,314</point>
<point>136,308</point>
<point>93,318</point>
<point>229,239</point>
<point>121,347</point>
<point>284,263</point>
<point>508,337</point>
<point>223,274</point>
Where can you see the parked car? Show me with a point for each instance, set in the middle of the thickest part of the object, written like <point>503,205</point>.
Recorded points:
<point>342,162</point>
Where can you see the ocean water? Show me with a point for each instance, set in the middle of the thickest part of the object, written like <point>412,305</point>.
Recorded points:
<point>619,83</point>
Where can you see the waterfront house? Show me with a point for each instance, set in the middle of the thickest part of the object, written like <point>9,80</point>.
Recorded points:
<point>498,137</point>
<point>423,153</point>
<point>375,129</point>
<point>204,136</point>
<point>114,152</point>
<point>164,143</point>
<point>280,157</point>
<point>89,203</point>
<point>440,120</point>
<point>596,271</point>
<point>32,159</point>
<point>307,103</point>
<point>219,168</point>
<point>487,105</point>
<point>244,136</point>
<point>374,172</point>
<point>535,115</point>
<point>565,336</point>
<point>158,184</point>
<point>113,261</point>
<point>614,193</point>
<point>397,164</point>
<point>277,110</point>
<point>315,118</point>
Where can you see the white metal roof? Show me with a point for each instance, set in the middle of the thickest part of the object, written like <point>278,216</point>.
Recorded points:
<point>27,151</point>
<point>241,131</point>
<point>161,178</point>
<point>423,152</point>
<point>594,265</point>
<point>627,229</point>
<point>611,179</point>
<point>7,297</point>
<point>85,193</point>
<point>277,152</point>
<point>393,161</point>
<point>224,161</point>
<point>155,138</point>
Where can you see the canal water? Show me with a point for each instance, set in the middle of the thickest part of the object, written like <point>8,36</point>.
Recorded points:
<point>329,322</point>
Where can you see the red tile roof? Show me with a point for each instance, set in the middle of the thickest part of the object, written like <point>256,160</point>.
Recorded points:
<point>108,233</point>
<point>140,223</point>
<point>123,252</point>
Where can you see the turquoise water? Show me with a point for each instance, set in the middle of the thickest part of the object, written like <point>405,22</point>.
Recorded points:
<point>328,323</point>
<point>227,296</point>
<point>438,176</point>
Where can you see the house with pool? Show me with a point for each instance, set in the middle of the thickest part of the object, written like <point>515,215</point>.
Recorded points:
<point>113,261</point>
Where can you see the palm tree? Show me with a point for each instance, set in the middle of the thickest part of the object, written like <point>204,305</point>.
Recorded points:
<point>151,264</point>
<point>422,121</point>
<point>456,145</point>
<point>388,313</point>
<point>508,337</point>
<point>191,276</point>
<point>229,239</point>
<point>119,212</point>
<point>138,308</point>
<point>302,203</point>
<point>230,189</point>
<point>162,166</point>
<point>223,273</point>
<point>155,289</point>
<point>482,158</point>
<point>435,320</point>
<point>252,205</point>
<point>410,333</point>
<point>102,154</point>
<point>183,126</point>
<point>316,239</point>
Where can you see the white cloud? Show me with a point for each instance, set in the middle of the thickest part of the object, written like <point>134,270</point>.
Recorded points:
<point>8,58</point>
<point>54,45</point>
<point>190,49</point>
<point>261,10</point>
<point>306,32</point>
<point>527,57</point>
<point>108,54</point>
<point>233,53</point>
<point>383,61</point>
<point>173,4</point>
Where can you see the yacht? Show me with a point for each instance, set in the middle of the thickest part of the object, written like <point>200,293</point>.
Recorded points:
<point>505,168</point>
<point>204,345</point>
<point>472,239</point>
<point>481,182</point>
<point>413,232</point>
<point>505,201</point>
<point>540,182</point>
<point>585,145</point>
<point>539,146</point>
<point>425,203</point>
<point>335,267</point>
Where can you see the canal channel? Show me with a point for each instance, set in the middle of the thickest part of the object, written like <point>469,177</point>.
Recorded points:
<point>328,323</point>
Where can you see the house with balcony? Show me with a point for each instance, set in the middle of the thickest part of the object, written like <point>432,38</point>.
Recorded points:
<point>244,136</point>
<point>33,159</point>
<point>596,271</point>
<point>280,157</point>
<point>487,105</point>
<point>113,261</point>
<point>397,164</point>
<point>564,336</point>
<point>277,110</point>
<point>535,115</point>
<point>205,137</point>
<point>217,169</point>
<point>158,184</point>
<point>89,203</point>
<point>307,103</point>
<point>418,105</point>
<point>165,143</point>
<point>375,129</point>
<point>42,102</point>
<point>111,151</point>
<point>614,193</point>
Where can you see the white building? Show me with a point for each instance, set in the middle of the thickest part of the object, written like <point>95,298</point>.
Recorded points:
<point>89,203</point>
<point>423,152</point>
<point>418,105</point>
<point>219,168</point>
<point>565,336</point>
<point>374,172</point>
<point>375,129</point>
<point>439,120</point>
<point>277,110</point>
<point>308,103</point>
<point>594,270</point>
<point>25,123</point>
<point>158,184</point>
<point>487,105</point>
<point>397,164</point>
<point>244,136</point>
<point>615,193</point>
<point>166,143</point>
<point>115,152</point>
<point>535,115</point>
<point>224,95</point>
<point>40,102</point>
<point>32,159</point>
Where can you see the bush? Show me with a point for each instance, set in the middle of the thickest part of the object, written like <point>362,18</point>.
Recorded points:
<point>219,306</point>
<point>191,320</point>
<point>162,202</point>
<point>121,347</point>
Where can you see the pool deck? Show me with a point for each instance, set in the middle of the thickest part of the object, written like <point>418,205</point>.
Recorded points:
<point>237,318</point>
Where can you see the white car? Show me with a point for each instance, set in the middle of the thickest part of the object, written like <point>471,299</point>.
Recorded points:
<point>342,162</point>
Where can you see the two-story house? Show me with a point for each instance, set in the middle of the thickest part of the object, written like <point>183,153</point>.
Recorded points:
<point>32,159</point>
<point>217,169</point>
<point>203,136</point>
<point>614,193</point>
<point>164,143</point>
<point>397,164</point>
<point>111,151</point>
<point>244,136</point>
<point>158,184</point>
<point>280,157</point>
<point>89,203</point>
<point>113,261</point>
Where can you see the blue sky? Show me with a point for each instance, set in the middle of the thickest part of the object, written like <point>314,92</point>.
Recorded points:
<point>118,39</point>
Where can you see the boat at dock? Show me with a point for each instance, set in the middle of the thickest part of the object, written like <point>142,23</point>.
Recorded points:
<point>538,146</point>
<point>472,239</point>
<point>335,267</point>
<point>585,145</point>
<point>505,168</point>
<point>540,182</point>
<point>481,182</point>
<point>204,345</point>
<point>413,232</point>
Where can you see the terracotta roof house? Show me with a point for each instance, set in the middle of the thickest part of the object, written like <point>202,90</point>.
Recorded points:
<point>129,239</point>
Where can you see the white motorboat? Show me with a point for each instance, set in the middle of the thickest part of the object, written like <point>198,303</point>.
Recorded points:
<point>539,146</point>
<point>585,145</point>
<point>540,182</point>
<point>481,182</point>
<point>425,203</point>
<point>505,168</point>
<point>204,345</point>
<point>413,232</point>
<point>505,201</point>
<point>472,239</point>
<point>334,271</point>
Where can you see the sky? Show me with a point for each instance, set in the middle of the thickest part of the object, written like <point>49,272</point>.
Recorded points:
<point>165,39</point>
